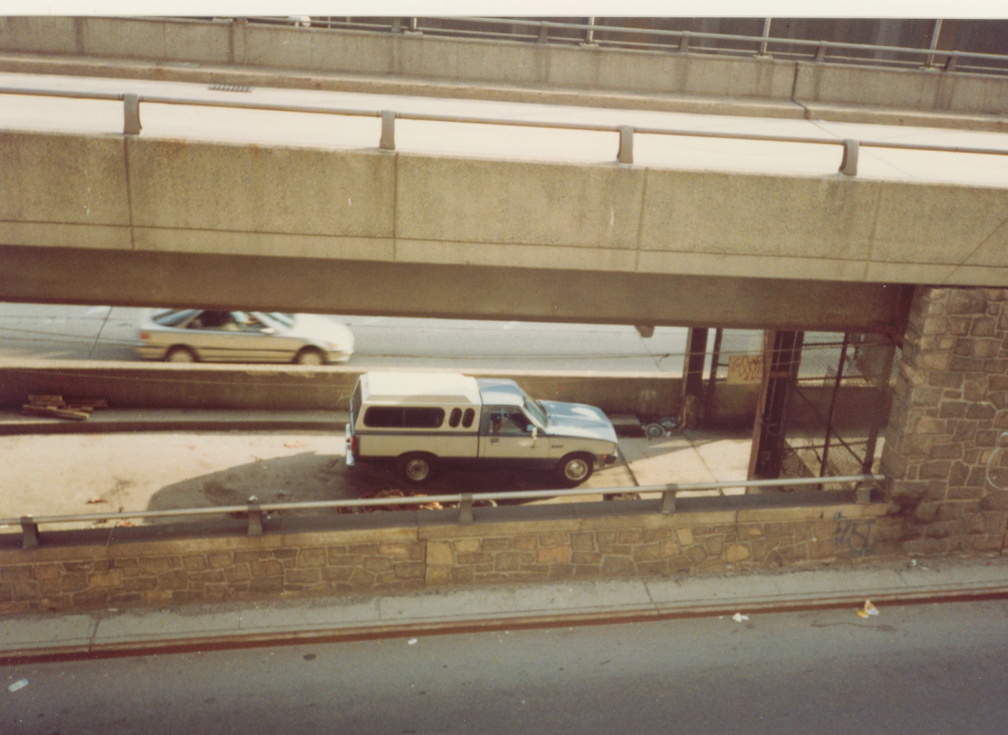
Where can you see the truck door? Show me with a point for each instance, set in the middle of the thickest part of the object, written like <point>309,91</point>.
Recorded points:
<point>507,433</point>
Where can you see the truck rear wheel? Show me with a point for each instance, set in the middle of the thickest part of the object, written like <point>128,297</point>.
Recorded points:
<point>416,468</point>
<point>575,469</point>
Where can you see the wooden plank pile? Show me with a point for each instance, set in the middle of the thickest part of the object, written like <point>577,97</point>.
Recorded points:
<point>58,407</point>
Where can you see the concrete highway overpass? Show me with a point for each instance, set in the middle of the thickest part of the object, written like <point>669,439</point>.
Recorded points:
<point>452,223</point>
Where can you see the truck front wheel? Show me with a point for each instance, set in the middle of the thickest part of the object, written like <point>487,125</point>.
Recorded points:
<point>575,469</point>
<point>416,468</point>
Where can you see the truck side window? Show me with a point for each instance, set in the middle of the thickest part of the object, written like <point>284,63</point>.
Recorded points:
<point>508,422</point>
<point>456,416</point>
<point>467,417</point>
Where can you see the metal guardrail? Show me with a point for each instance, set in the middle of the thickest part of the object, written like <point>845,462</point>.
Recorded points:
<point>624,155</point>
<point>257,512</point>
<point>589,33</point>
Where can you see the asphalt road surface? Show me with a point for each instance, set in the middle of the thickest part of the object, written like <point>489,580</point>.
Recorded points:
<point>63,332</point>
<point>928,669</point>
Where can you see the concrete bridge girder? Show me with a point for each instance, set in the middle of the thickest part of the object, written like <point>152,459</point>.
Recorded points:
<point>382,232</point>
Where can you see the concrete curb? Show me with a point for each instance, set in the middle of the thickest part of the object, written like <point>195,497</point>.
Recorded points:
<point>135,632</point>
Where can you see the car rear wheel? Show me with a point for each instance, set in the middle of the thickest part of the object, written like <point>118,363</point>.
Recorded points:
<point>416,468</point>
<point>309,356</point>
<point>180,354</point>
<point>575,469</point>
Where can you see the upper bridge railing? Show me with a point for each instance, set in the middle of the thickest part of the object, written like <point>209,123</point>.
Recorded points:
<point>588,32</point>
<point>625,151</point>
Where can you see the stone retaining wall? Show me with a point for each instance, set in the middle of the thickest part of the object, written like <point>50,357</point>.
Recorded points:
<point>946,450</point>
<point>382,552</point>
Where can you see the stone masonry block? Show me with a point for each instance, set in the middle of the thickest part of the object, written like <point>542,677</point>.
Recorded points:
<point>312,557</point>
<point>554,555</point>
<point>395,550</point>
<point>631,537</point>
<point>736,553</point>
<point>218,559</point>
<point>507,561</point>
<point>409,570</point>
<point>617,566</point>
<point>464,545</point>
<point>499,543</point>
<point>474,557</point>
<point>439,553</point>
<point>524,542</point>
<point>267,568</point>
<point>47,571</point>
<point>553,539</point>
<point>194,563</point>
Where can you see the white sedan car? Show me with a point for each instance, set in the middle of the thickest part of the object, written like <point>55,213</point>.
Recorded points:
<point>195,335</point>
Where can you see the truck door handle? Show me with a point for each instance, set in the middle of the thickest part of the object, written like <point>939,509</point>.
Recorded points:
<point>494,440</point>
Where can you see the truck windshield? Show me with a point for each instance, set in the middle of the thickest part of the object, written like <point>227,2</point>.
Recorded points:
<point>536,411</point>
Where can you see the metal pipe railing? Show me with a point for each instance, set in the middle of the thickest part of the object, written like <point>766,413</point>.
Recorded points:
<point>818,50</point>
<point>848,165</point>
<point>256,512</point>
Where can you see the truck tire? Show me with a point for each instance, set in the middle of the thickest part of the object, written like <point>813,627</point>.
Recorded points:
<point>416,468</point>
<point>574,469</point>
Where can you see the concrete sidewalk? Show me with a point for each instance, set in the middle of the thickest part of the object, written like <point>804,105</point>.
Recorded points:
<point>129,632</point>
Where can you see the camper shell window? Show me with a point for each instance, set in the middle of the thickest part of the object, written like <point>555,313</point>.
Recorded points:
<point>396,417</point>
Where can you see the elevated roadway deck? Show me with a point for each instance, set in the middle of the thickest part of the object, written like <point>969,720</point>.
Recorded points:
<point>223,206</point>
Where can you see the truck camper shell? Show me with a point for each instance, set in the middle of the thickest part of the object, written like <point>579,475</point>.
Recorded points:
<point>419,388</point>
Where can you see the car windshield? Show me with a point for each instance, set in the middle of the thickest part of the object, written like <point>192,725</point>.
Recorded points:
<point>286,320</point>
<point>173,317</point>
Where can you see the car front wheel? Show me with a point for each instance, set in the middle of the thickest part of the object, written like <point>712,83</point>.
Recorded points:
<point>575,469</point>
<point>309,356</point>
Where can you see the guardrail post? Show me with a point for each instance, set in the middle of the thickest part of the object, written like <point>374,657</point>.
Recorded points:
<point>465,508</point>
<point>820,53</point>
<point>131,110</point>
<point>668,498</point>
<point>590,34</point>
<point>684,42</point>
<point>862,492</point>
<point>848,165</point>
<point>766,37</point>
<point>29,533</point>
<point>625,154</point>
<point>543,33</point>
<point>950,64</point>
<point>387,142</point>
<point>255,517</point>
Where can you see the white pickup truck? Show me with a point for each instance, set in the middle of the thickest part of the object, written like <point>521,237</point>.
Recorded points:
<point>420,420</point>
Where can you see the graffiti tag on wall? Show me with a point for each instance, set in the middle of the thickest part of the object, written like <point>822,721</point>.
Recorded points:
<point>745,368</point>
<point>853,535</point>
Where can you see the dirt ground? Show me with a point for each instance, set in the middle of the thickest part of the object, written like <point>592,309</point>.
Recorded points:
<point>95,473</point>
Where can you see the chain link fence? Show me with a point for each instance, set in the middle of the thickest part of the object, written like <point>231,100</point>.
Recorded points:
<point>838,405</point>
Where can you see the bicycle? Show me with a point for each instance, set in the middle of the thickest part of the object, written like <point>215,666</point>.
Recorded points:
<point>660,428</point>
